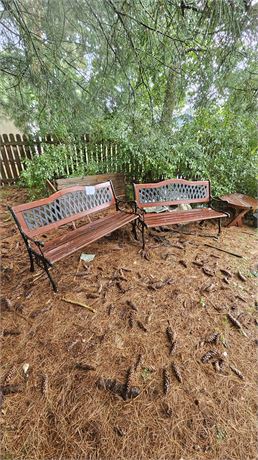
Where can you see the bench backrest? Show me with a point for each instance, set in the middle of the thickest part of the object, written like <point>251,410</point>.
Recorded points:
<point>63,207</point>
<point>172,192</point>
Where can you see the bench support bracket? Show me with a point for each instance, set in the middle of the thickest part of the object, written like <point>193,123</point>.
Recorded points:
<point>143,235</point>
<point>43,263</point>
<point>134,230</point>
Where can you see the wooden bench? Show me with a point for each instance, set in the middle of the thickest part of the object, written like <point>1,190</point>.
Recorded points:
<point>118,182</point>
<point>173,192</point>
<point>65,206</point>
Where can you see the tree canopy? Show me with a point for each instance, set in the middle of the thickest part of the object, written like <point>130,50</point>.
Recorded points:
<point>126,68</point>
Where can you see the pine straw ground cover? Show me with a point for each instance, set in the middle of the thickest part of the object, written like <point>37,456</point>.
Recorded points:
<point>208,410</point>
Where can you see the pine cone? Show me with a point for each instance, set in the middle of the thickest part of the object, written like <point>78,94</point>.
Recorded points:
<point>213,338</point>
<point>128,382</point>
<point>131,320</point>
<point>138,362</point>
<point>177,372</point>
<point>9,374</point>
<point>132,305</point>
<point>44,385</point>
<point>166,381</point>
<point>208,356</point>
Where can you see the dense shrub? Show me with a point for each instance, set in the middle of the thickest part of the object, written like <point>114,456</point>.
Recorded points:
<point>215,144</point>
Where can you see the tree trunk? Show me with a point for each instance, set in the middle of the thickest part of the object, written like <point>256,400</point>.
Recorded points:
<point>170,99</point>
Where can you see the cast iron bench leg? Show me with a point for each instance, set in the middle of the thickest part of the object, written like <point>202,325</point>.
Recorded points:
<point>143,236</point>
<point>134,230</point>
<point>53,284</point>
<point>32,268</point>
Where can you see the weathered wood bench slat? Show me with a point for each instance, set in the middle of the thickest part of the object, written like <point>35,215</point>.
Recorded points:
<point>86,235</point>
<point>170,218</point>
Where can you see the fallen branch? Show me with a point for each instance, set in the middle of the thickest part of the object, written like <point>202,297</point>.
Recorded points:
<point>237,372</point>
<point>85,367</point>
<point>236,323</point>
<point>75,302</point>
<point>223,250</point>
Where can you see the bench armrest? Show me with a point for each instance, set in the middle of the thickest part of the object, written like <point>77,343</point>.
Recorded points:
<point>25,237</point>
<point>130,203</point>
<point>38,243</point>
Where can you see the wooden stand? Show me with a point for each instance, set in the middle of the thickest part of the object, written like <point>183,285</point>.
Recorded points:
<point>242,204</point>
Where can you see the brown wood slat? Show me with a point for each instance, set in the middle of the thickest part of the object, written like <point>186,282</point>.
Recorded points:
<point>22,150</point>
<point>3,170</point>
<point>65,245</point>
<point>178,217</point>
<point>27,147</point>
<point>16,155</point>
<point>5,155</point>
<point>118,181</point>
<point>241,201</point>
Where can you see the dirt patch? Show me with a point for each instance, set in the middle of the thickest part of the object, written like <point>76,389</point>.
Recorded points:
<point>166,319</point>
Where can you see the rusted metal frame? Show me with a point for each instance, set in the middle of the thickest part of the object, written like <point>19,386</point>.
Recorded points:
<point>33,255</point>
<point>140,211</point>
<point>46,264</point>
<point>209,190</point>
<point>133,211</point>
<point>138,226</point>
<point>131,203</point>
<point>26,239</point>
<point>143,234</point>
<point>141,226</point>
<point>114,194</point>
<point>134,229</point>
<point>24,235</point>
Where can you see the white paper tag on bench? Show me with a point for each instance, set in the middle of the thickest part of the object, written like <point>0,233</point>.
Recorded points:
<point>90,190</point>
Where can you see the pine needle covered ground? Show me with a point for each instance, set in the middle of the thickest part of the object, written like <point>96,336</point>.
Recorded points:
<point>160,371</point>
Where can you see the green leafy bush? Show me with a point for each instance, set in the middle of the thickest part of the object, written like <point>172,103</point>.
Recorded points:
<point>56,161</point>
<point>215,144</point>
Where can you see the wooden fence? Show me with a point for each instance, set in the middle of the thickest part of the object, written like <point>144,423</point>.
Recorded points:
<point>80,155</point>
<point>15,149</point>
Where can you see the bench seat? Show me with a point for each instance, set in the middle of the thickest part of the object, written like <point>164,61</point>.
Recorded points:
<point>75,240</point>
<point>181,217</point>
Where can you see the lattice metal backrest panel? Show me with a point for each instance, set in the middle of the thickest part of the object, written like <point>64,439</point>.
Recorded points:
<point>174,192</point>
<point>67,205</point>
